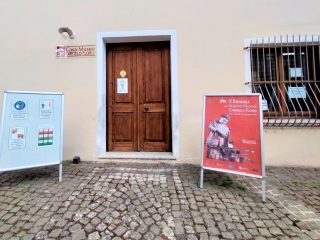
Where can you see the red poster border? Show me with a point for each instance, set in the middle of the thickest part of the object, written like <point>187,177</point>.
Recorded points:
<point>262,176</point>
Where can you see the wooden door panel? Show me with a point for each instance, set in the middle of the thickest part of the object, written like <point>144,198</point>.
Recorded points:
<point>122,114</point>
<point>123,130</point>
<point>153,75</point>
<point>154,98</point>
<point>155,146</point>
<point>139,120</point>
<point>154,107</point>
<point>123,60</point>
<point>155,134</point>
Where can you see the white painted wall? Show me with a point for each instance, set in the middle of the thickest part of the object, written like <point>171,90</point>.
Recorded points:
<point>210,54</point>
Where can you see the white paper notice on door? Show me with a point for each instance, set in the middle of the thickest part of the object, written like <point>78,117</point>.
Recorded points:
<point>122,85</point>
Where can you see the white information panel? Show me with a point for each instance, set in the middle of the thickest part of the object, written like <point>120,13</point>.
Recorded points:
<point>31,130</point>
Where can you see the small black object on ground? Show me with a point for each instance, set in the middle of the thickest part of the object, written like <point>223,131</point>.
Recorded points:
<point>76,160</point>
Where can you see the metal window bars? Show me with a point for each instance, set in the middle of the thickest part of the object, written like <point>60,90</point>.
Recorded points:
<point>285,70</point>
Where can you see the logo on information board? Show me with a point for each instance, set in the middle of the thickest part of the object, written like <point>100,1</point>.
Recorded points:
<point>19,105</point>
<point>19,109</point>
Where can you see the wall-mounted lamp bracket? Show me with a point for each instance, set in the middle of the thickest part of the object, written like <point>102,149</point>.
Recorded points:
<point>67,30</point>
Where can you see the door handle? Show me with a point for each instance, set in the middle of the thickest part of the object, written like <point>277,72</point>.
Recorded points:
<point>146,109</point>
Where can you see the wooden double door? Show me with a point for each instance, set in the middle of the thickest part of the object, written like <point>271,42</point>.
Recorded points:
<point>138,87</point>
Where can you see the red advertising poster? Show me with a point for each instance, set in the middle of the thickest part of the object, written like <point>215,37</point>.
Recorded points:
<point>232,134</point>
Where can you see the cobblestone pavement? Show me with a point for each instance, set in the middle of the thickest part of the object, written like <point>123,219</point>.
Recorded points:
<point>150,201</point>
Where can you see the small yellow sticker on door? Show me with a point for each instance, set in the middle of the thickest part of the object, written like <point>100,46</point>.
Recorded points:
<point>123,73</point>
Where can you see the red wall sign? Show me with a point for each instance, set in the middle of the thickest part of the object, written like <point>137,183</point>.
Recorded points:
<point>76,51</point>
<point>232,134</point>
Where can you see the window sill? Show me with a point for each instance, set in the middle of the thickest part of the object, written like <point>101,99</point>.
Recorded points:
<point>286,122</point>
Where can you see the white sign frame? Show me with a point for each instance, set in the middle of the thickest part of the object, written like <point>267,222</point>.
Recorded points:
<point>32,155</point>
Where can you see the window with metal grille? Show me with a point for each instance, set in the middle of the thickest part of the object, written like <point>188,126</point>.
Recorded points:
<point>286,72</point>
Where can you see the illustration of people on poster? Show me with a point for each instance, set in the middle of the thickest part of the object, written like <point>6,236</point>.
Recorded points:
<point>232,140</point>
